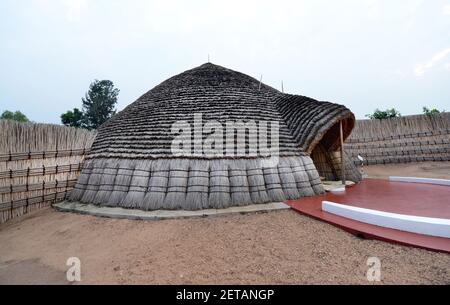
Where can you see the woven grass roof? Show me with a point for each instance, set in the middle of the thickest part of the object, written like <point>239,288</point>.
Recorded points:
<point>143,129</point>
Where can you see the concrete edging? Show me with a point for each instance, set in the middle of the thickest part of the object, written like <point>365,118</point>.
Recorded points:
<point>121,213</point>
<point>420,180</point>
<point>415,224</point>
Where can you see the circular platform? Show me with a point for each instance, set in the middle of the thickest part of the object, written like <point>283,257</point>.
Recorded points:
<point>404,198</point>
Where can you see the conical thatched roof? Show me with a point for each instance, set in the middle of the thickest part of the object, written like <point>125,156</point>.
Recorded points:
<point>131,163</point>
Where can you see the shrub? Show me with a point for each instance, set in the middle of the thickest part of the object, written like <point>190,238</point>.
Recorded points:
<point>384,114</point>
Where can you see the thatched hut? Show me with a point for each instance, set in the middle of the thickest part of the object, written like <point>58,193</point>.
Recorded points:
<point>132,163</point>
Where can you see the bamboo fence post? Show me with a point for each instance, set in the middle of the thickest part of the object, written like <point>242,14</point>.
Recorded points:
<point>43,191</point>
<point>12,203</point>
<point>65,189</point>
<point>56,191</point>
<point>27,188</point>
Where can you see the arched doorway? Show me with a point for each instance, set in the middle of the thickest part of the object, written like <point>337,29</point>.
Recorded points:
<point>327,152</point>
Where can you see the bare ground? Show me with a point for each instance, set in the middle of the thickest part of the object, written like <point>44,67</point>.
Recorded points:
<point>270,248</point>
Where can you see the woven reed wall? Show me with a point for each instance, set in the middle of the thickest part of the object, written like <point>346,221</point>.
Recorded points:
<point>39,164</point>
<point>191,184</point>
<point>328,164</point>
<point>400,140</point>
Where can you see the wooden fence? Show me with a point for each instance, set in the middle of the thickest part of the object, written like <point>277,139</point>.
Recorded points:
<point>399,140</point>
<point>39,165</point>
<point>24,189</point>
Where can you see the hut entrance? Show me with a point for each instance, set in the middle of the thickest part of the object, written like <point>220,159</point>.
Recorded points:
<point>326,155</point>
<point>323,160</point>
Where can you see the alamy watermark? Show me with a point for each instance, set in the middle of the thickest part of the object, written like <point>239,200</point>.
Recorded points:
<point>73,274</point>
<point>374,272</point>
<point>233,139</point>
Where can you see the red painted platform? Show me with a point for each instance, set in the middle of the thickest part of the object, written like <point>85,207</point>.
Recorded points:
<point>396,197</point>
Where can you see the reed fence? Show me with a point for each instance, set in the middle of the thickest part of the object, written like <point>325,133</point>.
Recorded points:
<point>39,165</point>
<point>400,140</point>
<point>43,154</point>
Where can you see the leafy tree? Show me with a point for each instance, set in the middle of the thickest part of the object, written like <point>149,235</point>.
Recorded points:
<point>431,111</point>
<point>98,106</point>
<point>384,114</point>
<point>15,116</point>
<point>99,103</point>
<point>73,118</point>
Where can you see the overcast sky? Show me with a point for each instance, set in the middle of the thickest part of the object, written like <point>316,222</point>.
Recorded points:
<point>363,54</point>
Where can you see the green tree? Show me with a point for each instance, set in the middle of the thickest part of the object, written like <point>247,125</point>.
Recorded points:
<point>73,118</point>
<point>431,111</point>
<point>99,103</point>
<point>384,114</point>
<point>15,116</point>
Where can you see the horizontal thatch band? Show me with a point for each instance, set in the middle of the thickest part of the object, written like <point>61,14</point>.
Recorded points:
<point>144,128</point>
<point>194,184</point>
<point>309,120</point>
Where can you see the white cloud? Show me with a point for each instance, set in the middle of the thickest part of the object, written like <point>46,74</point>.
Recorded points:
<point>75,8</point>
<point>420,69</point>
<point>446,9</point>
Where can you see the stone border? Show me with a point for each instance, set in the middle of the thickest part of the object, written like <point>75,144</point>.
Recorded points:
<point>121,213</point>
